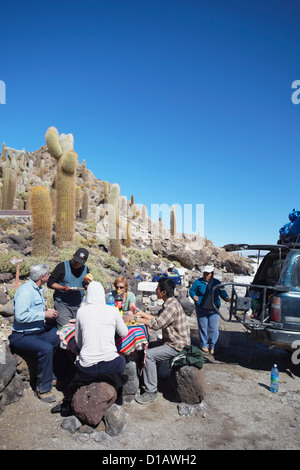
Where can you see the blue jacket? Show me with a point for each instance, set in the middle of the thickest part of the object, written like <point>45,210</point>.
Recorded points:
<point>199,289</point>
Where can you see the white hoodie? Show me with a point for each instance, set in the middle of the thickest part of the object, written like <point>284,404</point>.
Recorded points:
<point>96,325</point>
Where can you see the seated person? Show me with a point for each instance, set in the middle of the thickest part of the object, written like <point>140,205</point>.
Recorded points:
<point>96,326</point>
<point>31,334</point>
<point>172,271</point>
<point>175,335</point>
<point>129,300</point>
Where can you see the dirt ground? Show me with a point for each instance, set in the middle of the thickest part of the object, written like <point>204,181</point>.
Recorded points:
<point>239,412</point>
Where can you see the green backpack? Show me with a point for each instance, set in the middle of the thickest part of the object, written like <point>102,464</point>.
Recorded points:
<point>188,356</point>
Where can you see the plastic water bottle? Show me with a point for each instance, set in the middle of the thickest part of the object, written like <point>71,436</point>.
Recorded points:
<point>110,300</point>
<point>274,379</point>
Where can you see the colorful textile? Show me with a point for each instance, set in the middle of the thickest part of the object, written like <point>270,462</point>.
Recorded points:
<point>137,338</point>
<point>67,337</point>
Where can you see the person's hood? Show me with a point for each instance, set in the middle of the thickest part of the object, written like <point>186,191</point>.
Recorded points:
<point>95,293</point>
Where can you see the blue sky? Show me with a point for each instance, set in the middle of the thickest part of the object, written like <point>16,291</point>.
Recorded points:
<point>178,101</point>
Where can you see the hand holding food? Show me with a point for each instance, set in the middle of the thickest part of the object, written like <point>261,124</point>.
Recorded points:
<point>88,278</point>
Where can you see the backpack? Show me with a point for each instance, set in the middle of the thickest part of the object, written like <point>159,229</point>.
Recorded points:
<point>188,356</point>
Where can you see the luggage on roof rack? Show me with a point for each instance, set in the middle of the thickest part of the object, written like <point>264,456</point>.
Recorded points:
<point>290,232</point>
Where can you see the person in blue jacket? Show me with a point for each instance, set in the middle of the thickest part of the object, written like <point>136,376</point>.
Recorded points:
<point>207,317</point>
<point>67,275</point>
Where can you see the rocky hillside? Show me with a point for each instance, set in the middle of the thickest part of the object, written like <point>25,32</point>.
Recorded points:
<point>152,239</point>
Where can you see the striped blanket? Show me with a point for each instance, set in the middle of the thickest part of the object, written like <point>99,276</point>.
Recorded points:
<point>67,337</point>
<point>137,338</point>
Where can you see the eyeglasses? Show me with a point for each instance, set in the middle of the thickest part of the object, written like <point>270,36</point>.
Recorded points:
<point>120,287</point>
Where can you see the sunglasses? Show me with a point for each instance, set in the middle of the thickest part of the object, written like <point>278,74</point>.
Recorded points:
<point>120,287</point>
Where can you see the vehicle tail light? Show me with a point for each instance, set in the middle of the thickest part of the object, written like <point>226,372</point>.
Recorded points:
<point>275,309</point>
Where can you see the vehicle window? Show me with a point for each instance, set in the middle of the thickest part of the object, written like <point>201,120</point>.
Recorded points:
<point>269,270</point>
<point>296,273</point>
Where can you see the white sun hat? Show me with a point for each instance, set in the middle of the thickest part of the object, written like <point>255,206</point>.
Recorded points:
<point>208,269</point>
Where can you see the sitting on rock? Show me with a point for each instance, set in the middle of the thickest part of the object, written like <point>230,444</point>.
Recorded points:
<point>98,359</point>
<point>31,334</point>
<point>175,331</point>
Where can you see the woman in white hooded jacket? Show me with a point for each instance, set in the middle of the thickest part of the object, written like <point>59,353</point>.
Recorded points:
<point>96,326</point>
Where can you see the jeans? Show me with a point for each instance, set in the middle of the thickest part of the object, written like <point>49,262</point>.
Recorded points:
<point>43,344</point>
<point>156,352</point>
<point>208,325</point>
<point>116,366</point>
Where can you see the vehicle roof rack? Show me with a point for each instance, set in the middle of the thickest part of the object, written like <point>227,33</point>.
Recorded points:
<point>246,246</point>
<point>292,241</point>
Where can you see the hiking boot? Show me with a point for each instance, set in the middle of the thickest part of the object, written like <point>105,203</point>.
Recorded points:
<point>64,408</point>
<point>47,397</point>
<point>146,398</point>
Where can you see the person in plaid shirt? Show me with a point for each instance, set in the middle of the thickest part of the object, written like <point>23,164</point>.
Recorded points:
<point>172,320</point>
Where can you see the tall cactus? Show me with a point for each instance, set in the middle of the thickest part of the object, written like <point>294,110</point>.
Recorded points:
<point>128,235</point>
<point>77,200</point>
<point>41,209</point>
<point>9,187</point>
<point>61,148</point>
<point>173,221</point>
<point>10,174</point>
<point>114,223</point>
<point>85,202</point>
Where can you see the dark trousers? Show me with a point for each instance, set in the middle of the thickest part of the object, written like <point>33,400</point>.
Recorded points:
<point>43,344</point>
<point>116,366</point>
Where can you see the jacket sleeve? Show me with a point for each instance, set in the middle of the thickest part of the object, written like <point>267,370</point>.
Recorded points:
<point>121,328</point>
<point>222,292</point>
<point>193,289</point>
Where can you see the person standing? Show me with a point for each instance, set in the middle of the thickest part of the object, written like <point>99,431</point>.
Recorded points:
<point>31,334</point>
<point>175,335</point>
<point>207,317</point>
<point>66,275</point>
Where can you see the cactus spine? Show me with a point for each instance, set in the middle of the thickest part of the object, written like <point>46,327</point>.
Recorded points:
<point>61,148</point>
<point>41,209</point>
<point>114,223</point>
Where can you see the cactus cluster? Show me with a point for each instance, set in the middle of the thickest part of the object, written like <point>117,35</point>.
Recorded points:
<point>61,149</point>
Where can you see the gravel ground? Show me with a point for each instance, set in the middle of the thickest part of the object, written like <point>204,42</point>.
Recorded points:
<point>239,411</point>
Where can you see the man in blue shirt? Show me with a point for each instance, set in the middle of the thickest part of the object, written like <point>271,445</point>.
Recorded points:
<point>31,334</point>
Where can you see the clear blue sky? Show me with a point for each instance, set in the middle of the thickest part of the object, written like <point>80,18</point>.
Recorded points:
<point>178,101</point>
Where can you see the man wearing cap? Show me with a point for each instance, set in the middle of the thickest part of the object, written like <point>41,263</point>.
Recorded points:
<point>207,317</point>
<point>67,275</point>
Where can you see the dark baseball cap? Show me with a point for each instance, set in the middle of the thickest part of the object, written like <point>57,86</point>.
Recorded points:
<point>81,255</point>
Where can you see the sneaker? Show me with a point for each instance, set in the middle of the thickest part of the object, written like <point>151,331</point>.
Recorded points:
<point>47,397</point>
<point>146,398</point>
<point>205,350</point>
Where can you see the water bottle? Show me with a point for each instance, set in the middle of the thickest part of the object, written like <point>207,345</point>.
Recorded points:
<point>274,379</point>
<point>119,301</point>
<point>110,300</point>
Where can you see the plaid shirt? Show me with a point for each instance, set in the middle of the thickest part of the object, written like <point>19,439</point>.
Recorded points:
<point>173,322</point>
